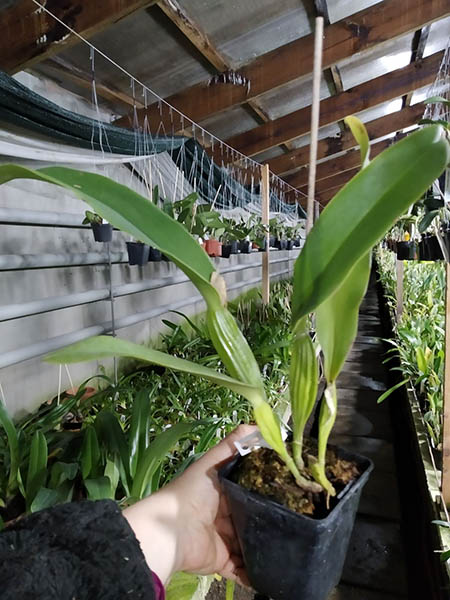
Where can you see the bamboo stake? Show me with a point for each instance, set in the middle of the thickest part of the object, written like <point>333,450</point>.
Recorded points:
<point>317,72</point>
<point>446,411</point>
<point>265,188</point>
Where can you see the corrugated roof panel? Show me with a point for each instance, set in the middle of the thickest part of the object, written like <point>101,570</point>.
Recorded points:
<point>230,122</point>
<point>268,154</point>
<point>377,61</point>
<point>290,97</point>
<point>380,111</point>
<point>245,30</point>
<point>439,36</point>
<point>340,9</point>
<point>142,44</point>
<point>327,131</point>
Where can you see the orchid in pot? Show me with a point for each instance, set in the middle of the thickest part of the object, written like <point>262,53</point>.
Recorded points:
<point>330,279</point>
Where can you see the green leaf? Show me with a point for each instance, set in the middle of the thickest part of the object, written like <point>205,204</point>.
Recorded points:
<point>362,211</point>
<point>436,100</point>
<point>112,471</point>
<point>90,453</point>
<point>111,435</point>
<point>388,392</point>
<point>445,556</point>
<point>229,592</point>
<point>360,134</point>
<point>37,466</point>
<point>105,346</point>
<point>156,453</point>
<point>337,318</point>
<point>426,221</point>
<point>182,586</point>
<point>99,488</point>
<point>45,498</point>
<point>62,472</point>
<point>139,428</point>
<point>128,211</point>
<point>13,446</point>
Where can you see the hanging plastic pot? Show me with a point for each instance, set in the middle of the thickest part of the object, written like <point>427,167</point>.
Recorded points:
<point>154,255</point>
<point>244,247</point>
<point>137,253</point>
<point>429,248</point>
<point>406,250</point>
<point>288,555</point>
<point>213,247</point>
<point>102,232</point>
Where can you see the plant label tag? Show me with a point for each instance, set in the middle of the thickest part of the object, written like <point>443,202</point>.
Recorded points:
<point>254,441</point>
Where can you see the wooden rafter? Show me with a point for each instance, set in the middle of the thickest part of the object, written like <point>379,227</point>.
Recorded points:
<point>357,33</point>
<point>28,34</point>
<point>333,166</point>
<point>193,32</point>
<point>376,91</point>
<point>329,146</point>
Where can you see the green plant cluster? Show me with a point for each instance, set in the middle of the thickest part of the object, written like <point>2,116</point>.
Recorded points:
<point>420,332</point>
<point>128,439</point>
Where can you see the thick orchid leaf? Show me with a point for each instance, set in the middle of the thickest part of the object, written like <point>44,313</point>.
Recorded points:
<point>139,428</point>
<point>105,346</point>
<point>13,447</point>
<point>362,211</point>
<point>130,212</point>
<point>337,318</point>
<point>37,467</point>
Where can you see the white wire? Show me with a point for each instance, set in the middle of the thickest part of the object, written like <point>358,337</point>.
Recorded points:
<point>159,98</point>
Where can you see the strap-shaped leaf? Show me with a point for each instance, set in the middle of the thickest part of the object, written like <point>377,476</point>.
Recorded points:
<point>13,446</point>
<point>139,428</point>
<point>129,211</point>
<point>362,211</point>
<point>337,318</point>
<point>37,466</point>
<point>105,346</point>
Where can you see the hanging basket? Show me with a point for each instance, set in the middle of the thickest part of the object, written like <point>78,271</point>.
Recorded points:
<point>102,232</point>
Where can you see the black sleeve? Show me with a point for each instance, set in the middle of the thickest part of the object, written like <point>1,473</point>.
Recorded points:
<point>76,551</point>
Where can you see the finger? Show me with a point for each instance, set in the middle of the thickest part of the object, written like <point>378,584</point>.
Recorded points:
<point>226,448</point>
<point>234,569</point>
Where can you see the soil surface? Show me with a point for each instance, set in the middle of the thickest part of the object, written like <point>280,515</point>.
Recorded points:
<point>262,471</point>
<point>217,592</point>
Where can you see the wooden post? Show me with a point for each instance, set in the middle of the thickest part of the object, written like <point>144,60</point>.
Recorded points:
<point>317,72</point>
<point>446,427</point>
<point>265,191</point>
<point>400,271</point>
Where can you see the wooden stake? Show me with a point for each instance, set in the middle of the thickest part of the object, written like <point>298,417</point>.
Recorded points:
<point>265,188</point>
<point>446,427</point>
<point>317,72</point>
<point>400,272</point>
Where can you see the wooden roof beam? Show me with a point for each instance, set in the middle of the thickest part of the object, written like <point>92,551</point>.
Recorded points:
<point>332,167</point>
<point>329,146</point>
<point>28,34</point>
<point>357,33</point>
<point>376,91</point>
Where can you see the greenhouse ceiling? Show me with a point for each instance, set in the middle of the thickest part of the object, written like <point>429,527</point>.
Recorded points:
<point>380,56</point>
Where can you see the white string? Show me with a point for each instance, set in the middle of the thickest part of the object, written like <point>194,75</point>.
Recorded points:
<point>68,375</point>
<point>160,99</point>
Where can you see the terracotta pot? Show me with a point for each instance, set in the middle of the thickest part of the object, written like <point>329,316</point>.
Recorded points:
<point>213,247</point>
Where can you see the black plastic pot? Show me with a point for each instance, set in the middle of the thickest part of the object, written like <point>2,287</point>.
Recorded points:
<point>429,248</point>
<point>102,232</point>
<point>137,253</point>
<point>226,250</point>
<point>289,556</point>
<point>289,244</point>
<point>281,244</point>
<point>406,250</point>
<point>297,242</point>
<point>245,247</point>
<point>154,255</point>
<point>272,241</point>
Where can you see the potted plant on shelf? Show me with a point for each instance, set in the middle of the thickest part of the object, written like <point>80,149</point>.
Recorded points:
<point>258,233</point>
<point>229,239</point>
<point>286,554</point>
<point>138,253</point>
<point>102,231</point>
<point>210,227</point>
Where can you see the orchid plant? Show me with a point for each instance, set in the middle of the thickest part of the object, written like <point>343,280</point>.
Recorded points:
<point>330,279</point>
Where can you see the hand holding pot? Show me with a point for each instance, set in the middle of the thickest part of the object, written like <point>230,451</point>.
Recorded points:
<point>187,525</point>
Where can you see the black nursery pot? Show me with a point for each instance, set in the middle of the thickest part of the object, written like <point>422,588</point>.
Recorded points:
<point>272,241</point>
<point>406,250</point>
<point>226,250</point>
<point>289,556</point>
<point>137,253</point>
<point>429,248</point>
<point>289,244</point>
<point>244,247</point>
<point>281,244</point>
<point>446,239</point>
<point>154,255</point>
<point>102,232</point>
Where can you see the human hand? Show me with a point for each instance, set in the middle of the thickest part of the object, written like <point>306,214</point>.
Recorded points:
<point>187,526</point>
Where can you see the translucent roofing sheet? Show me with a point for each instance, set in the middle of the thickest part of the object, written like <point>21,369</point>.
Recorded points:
<point>243,30</point>
<point>377,61</point>
<point>438,37</point>
<point>340,9</point>
<point>230,122</point>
